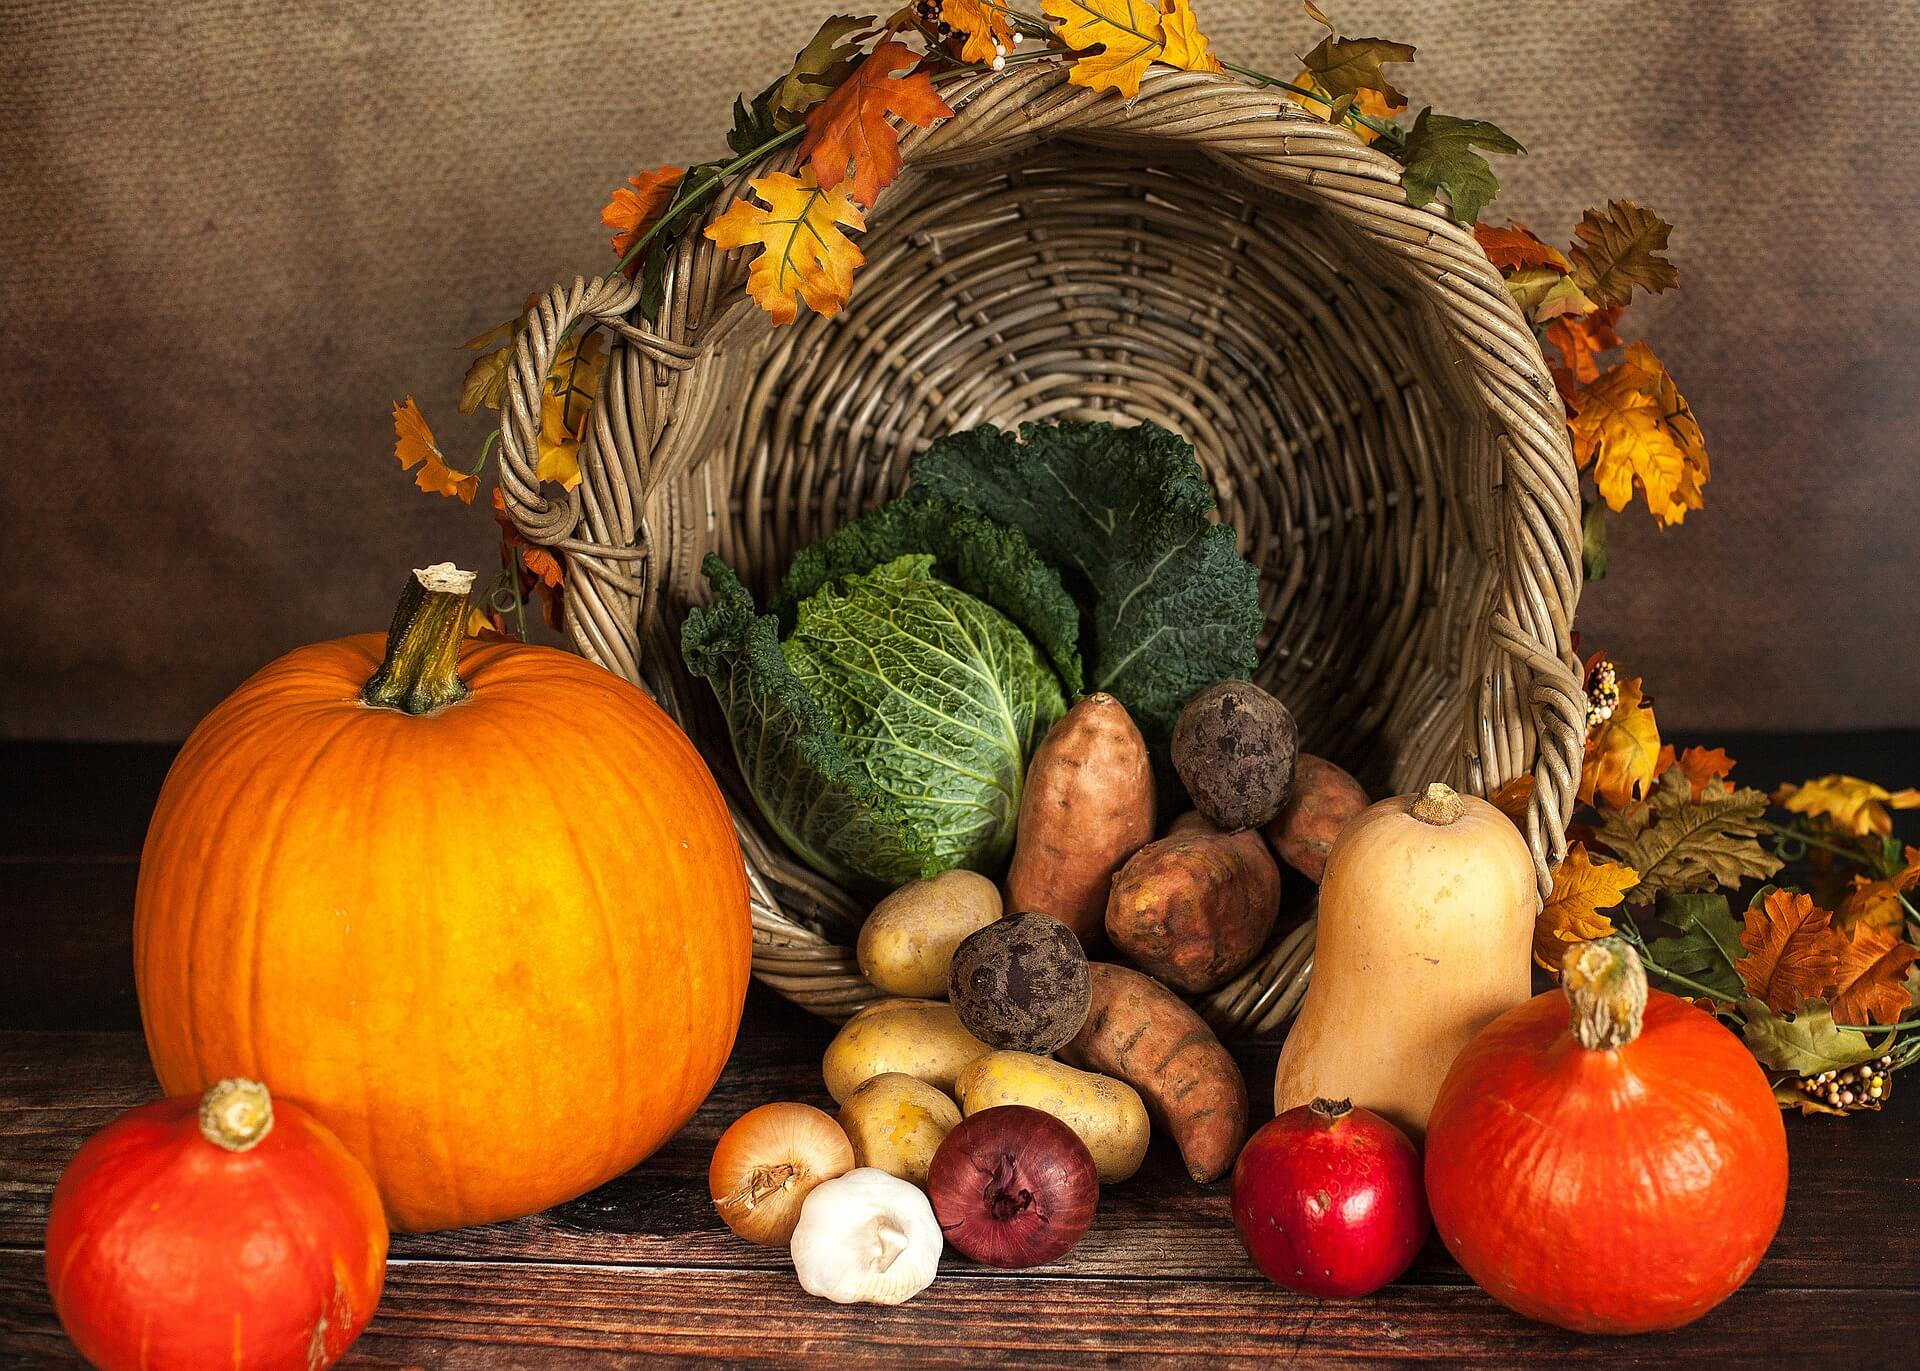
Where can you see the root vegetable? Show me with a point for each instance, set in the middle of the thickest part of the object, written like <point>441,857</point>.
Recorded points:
<point>1234,748</point>
<point>1325,800</point>
<point>1013,1187</point>
<point>1107,1114</point>
<point>1196,907</point>
<point>767,1162</point>
<point>1021,983</point>
<point>1087,807</point>
<point>1143,1033</point>
<point>922,1038</point>
<point>866,1238</point>
<point>908,940</point>
<point>897,1123</point>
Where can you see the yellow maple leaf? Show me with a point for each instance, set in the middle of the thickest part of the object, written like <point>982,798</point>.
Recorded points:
<point>1582,888</point>
<point>1853,805</point>
<point>804,256</point>
<point>632,212</point>
<point>413,446</point>
<point>1619,249</point>
<point>566,406</point>
<point>1623,752</point>
<point>1793,950</point>
<point>983,24</point>
<point>486,380</point>
<point>1634,429</point>
<point>1131,36</point>
<point>1877,902</point>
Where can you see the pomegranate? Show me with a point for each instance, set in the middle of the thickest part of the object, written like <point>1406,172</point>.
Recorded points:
<point>1328,1200</point>
<point>1013,1187</point>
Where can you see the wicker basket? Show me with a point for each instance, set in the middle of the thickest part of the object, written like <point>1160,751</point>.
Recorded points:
<point>1374,414</point>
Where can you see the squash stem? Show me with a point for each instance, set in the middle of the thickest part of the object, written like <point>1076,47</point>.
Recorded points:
<point>1606,991</point>
<point>236,1114</point>
<point>420,671</point>
<point>1439,805</point>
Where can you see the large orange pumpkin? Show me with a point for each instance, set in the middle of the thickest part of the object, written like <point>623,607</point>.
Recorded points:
<point>488,922</point>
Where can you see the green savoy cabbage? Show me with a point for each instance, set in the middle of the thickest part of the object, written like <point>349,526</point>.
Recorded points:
<point>885,739</point>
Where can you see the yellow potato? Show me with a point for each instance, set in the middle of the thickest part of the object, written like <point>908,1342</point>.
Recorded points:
<point>909,938</point>
<point>920,1038</point>
<point>1108,1115</point>
<point>896,1122</point>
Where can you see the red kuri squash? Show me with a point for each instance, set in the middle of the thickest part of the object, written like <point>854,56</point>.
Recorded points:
<point>215,1231</point>
<point>1607,1159</point>
<point>479,905</point>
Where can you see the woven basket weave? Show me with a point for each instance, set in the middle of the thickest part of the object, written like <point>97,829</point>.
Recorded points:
<point>1374,414</point>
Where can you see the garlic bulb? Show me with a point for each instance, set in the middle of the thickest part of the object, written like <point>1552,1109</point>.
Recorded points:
<point>866,1238</point>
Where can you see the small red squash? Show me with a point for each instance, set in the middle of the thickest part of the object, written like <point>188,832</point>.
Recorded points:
<point>478,905</point>
<point>1607,1159</point>
<point>228,1230</point>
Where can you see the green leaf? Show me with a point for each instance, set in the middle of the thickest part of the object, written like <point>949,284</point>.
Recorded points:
<point>808,788</point>
<point>1439,155</point>
<point>1806,1042</point>
<point>1125,514</point>
<point>1707,946</point>
<point>821,65</point>
<point>1593,540</point>
<point>1678,845</point>
<point>991,561</point>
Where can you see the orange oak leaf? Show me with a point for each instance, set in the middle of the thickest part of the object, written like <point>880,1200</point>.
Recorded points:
<point>1512,798</point>
<point>1619,249</point>
<point>1793,950</point>
<point>632,212</point>
<point>848,133</point>
<point>1853,805</point>
<point>542,571</point>
<point>1623,751</point>
<point>1634,429</point>
<point>1130,35</point>
<point>413,445</point>
<point>1582,888</point>
<point>1877,902</point>
<point>1869,985</point>
<point>1700,765</point>
<point>1517,246</point>
<point>804,256</point>
<point>983,24</point>
<point>1580,339</point>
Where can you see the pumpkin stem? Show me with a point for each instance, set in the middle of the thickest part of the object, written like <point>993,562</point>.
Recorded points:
<point>420,672</point>
<point>1607,991</point>
<point>1439,806</point>
<point>236,1114</point>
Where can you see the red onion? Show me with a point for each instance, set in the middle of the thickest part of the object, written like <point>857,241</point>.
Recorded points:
<point>1013,1186</point>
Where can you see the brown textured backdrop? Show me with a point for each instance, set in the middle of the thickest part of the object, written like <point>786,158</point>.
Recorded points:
<point>236,232</point>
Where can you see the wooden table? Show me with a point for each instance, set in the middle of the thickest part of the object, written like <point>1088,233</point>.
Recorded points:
<point>642,1266</point>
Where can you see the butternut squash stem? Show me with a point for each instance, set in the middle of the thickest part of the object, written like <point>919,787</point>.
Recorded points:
<point>420,671</point>
<point>236,1114</point>
<point>1606,991</point>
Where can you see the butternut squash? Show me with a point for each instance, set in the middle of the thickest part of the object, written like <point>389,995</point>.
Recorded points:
<point>1426,929</point>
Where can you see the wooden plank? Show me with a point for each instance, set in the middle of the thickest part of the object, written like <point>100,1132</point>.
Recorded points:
<point>1852,1179</point>
<point>461,1315</point>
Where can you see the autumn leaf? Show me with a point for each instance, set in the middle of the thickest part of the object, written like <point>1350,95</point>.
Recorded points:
<point>541,569</point>
<point>804,255</point>
<point>1571,914</point>
<point>413,445</point>
<point>1705,945</point>
<point>1700,765</point>
<point>486,380</point>
<point>1512,798</point>
<point>1580,341</point>
<point>1619,765</point>
<point>817,69</point>
<point>848,132</point>
<point>1851,804</point>
<point>1793,949</point>
<point>1544,294</point>
<point>1678,846</point>
<point>1351,66</point>
<point>1620,249</point>
<point>1807,1043</point>
<point>984,26</point>
<point>1877,902</point>
<point>632,212</point>
<point>1368,102</point>
<point>1131,35</point>
<point>1867,987</point>
<point>1634,429</point>
<point>1517,246</point>
<point>1440,155</point>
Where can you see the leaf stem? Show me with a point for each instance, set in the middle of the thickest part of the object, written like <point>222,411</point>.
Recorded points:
<point>1631,932</point>
<point>1386,128</point>
<point>1807,839</point>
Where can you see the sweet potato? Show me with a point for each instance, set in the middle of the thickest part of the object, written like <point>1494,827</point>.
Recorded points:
<point>1194,908</point>
<point>1146,1035</point>
<point>1325,800</point>
<point>1087,807</point>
